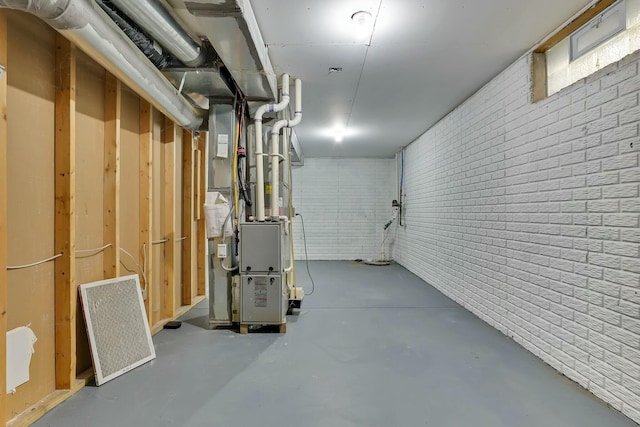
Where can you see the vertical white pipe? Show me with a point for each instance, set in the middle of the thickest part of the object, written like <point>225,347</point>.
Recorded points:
<point>275,171</point>
<point>298,105</point>
<point>259,154</point>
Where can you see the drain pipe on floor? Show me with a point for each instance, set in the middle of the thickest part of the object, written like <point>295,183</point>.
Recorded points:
<point>271,108</point>
<point>86,25</point>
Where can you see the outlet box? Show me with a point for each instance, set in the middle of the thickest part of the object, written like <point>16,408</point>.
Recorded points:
<point>222,250</point>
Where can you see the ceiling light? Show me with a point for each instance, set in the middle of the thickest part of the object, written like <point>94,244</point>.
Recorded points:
<point>363,24</point>
<point>338,135</point>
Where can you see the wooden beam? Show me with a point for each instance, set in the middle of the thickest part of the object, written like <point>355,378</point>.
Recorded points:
<point>187,216</point>
<point>111,191</point>
<point>169,184</point>
<point>146,199</point>
<point>65,221</point>
<point>3,215</point>
<point>539,77</point>
<point>38,409</point>
<point>202,230</point>
<point>588,15</point>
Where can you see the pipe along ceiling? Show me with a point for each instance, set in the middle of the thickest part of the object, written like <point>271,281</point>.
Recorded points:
<point>123,37</point>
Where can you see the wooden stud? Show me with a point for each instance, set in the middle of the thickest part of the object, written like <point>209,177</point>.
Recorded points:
<point>3,214</point>
<point>111,191</point>
<point>202,230</point>
<point>187,216</point>
<point>146,200</point>
<point>574,25</point>
<point>169,151</point>
<point>198,195</point>
<point>65,221</point>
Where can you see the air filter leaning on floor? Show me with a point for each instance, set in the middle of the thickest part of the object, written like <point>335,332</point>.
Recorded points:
<point>119,335</point>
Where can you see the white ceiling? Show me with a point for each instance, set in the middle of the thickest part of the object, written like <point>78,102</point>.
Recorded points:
<point>424,59</point>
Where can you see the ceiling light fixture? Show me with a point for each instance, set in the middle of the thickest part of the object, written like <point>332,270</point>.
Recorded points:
<point>363,24</point>
<point>338,135</point>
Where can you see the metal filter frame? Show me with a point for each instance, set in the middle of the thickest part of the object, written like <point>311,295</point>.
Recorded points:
<point>117,327</point>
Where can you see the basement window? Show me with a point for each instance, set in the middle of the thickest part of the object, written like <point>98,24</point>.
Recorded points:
<point>599,30</point>
<point>601,36</point>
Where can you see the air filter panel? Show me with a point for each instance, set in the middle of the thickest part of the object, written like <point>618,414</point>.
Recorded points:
<point>119,335</point>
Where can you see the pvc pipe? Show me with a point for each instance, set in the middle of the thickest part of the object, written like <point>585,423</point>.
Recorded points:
<point>297,117</point>
<point>275,148</point>
<point>259,154</point>
<point>88,27</point>
<point>275,167</point>
<point>287,224</point>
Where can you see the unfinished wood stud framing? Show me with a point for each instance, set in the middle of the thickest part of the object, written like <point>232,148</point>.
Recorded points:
<point>202,230</point>
<point>169,148</point>
<point>187,216</point>
<point>125,147</point>
<point>111,190</point>
<point>146,201</point>
<point>65,222</point>
<point>3,213</point>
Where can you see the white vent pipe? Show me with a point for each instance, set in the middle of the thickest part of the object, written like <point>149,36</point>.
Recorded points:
<point>271,108</point>
<point>158,22</point>
<point>297,115</point>
<point>88,27</point>
<point>275,149</point>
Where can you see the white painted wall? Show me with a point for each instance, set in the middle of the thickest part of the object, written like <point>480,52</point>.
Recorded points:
<point>345,204</point>
<point>528,216</point>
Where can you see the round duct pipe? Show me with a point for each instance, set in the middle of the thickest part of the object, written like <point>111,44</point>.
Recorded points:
<point>87,26</point>
<point>158,22</point>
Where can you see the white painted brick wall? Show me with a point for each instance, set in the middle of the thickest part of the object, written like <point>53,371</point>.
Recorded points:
<point>528,215</point>
<point>345,204</point>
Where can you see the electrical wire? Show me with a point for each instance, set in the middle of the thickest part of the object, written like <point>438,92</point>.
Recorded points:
<point>141,269</point>
<point>81,251</point>
<point>306,256</point>
<point>92,251</point>
<point>33,264</point>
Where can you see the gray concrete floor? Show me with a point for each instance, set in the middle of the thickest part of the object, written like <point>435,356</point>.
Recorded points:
<point>373,346</point>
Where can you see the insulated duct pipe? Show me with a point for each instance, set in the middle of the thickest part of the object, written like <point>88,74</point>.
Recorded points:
<point>275,149</point>
<point>156,20</point>
<point>88,27</point>
<point>271,108</point>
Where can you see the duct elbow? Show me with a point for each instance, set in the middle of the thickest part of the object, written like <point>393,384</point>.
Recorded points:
<point>261,112</point>
<point>199,60</point>
<point>296,120</point>
<point>277,127</point>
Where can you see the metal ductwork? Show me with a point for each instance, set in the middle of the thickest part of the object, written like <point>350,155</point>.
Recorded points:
<point>297,157</point>
<point>87,26</point>
<point>232,29</point>
<point>158,22</point>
